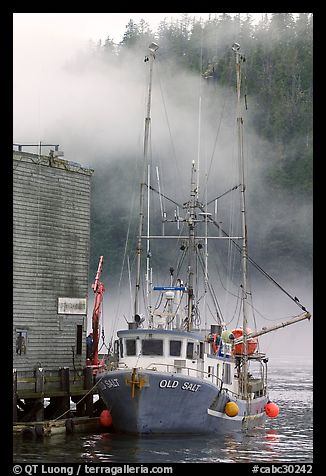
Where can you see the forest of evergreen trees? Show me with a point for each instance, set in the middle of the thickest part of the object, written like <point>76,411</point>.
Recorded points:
<point>279,83</point>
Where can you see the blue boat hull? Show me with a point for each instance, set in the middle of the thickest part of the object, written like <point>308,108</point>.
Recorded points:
<point>157,402</point>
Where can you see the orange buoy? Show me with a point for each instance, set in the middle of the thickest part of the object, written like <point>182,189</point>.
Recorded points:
<point>251,342</point>
<point>271,409</point>
<point>105,418</point>
<point>231,409</point>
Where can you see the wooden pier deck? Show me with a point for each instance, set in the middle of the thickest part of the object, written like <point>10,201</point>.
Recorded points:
<point>34,429</point>
<point>45,395</point>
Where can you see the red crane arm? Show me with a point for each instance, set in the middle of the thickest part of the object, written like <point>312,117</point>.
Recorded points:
<point>99,290</point>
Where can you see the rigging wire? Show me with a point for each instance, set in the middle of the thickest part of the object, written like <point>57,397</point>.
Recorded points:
<point>132,205</point>
<point>223,194</point>
<point>178,261</point>
<point>238,303</point>
<point>211,289</point>
<point>162,195</point>
<point>219,125</point>
<point>259,268</point>
<point>174,155</point>
<point>256,265</point>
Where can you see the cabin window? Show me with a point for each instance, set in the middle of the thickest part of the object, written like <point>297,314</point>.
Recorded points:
<point>79,339</point>
<point>227,374</point>
<point>121,347</point>
<point>152,347</point>
<point>190,350</point>
<point>201,350</point>
<point>21,342</point>
<point>131,346</point>
<point>175,348</point>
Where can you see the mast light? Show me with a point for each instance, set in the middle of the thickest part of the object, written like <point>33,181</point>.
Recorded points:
<point>236,47</point>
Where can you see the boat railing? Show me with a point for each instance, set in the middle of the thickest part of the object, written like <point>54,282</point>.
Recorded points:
<point>170,367</point>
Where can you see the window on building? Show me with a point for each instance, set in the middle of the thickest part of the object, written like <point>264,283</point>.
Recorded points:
<point>79,339</point>
<point>130,346</point>
<point>190,350</point>
<point>152,347</point>
<point>210,370</point>
<point>21,342</point>
<point>175,348</point>
<point>201,351</point>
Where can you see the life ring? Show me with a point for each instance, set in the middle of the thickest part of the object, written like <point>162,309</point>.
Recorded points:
<point>215,343</point>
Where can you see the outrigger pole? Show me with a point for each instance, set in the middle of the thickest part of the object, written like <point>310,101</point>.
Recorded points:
<point>265,330</point>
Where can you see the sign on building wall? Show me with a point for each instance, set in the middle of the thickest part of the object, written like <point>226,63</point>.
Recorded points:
<point>68,305</point>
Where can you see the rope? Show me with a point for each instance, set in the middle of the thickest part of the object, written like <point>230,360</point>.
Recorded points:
<point>67,411</point>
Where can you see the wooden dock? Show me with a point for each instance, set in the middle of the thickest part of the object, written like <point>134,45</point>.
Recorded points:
<point>56,427</point>
<point>47,395</point>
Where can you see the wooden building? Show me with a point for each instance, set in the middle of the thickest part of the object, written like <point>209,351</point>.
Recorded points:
<point>51,245</point>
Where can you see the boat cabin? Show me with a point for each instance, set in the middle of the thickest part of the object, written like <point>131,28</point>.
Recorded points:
<point>176,351</point>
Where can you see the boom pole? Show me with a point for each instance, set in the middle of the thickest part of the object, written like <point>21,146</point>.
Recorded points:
<point>265,330</point>
<point>99,290</point>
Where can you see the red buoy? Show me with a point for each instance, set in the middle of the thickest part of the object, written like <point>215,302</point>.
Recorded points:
<point>271,409</point>
<point>105,418</point>
<point>272,435</point>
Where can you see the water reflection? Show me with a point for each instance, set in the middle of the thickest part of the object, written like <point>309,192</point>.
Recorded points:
<point>254,446</point>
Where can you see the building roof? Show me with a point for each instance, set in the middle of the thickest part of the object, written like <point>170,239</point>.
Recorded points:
<point>49,161</point>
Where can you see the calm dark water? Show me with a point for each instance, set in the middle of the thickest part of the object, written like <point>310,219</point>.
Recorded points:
<point>285,439</point>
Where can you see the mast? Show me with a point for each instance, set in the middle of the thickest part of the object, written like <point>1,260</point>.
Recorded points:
<point>191,246</point>
<point>152,48</point>
<point>244,248</point>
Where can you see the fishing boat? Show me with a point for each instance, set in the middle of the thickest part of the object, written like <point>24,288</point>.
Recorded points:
<point>172,374</point>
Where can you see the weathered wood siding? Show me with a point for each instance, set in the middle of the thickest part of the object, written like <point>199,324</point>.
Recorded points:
<point>51,242</point>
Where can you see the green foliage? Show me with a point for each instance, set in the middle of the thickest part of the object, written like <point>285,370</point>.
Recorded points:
<point>277,77</point>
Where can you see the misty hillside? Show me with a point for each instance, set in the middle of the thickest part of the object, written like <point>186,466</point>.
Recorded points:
<point>277,83</point>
